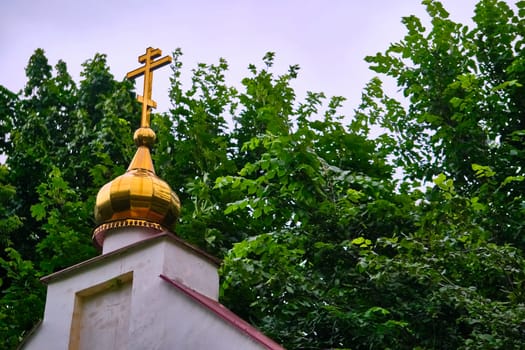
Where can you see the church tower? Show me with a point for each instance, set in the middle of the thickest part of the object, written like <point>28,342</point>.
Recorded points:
<point>148,289</point>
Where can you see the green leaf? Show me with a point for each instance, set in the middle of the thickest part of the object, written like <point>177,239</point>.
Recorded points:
<point>38,211</point>
<point>483,170</point>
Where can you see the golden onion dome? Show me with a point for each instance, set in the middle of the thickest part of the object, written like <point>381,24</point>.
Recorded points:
<point>138,197</point>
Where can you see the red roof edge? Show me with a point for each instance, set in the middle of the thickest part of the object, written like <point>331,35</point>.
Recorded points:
<point>226,314</point>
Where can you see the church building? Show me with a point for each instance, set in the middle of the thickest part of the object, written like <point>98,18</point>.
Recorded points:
<point>149,289</point>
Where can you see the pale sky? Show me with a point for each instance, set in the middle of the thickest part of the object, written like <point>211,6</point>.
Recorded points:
<point>327,38</point>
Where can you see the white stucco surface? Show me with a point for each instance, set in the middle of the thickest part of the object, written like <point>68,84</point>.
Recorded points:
<point>119,238</point>
<point>189,326</point>
<point>103,319</point>
<point>119,301</point>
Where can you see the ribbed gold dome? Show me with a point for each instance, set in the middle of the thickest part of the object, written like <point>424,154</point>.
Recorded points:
<point>138,197</point>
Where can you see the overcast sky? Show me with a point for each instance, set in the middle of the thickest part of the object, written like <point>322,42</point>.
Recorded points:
<point>327,38</point>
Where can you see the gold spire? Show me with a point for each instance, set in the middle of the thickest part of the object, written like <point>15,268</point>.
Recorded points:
<point>138,197</point>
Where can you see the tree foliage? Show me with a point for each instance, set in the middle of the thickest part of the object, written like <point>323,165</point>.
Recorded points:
<point>62,142</point>
<point>323,246</point>
<point>465,88</point>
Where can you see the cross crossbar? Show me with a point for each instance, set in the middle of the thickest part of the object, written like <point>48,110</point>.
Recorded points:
<point>147,70</point>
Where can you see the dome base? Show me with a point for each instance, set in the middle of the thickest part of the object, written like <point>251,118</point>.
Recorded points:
<point>100,233</point>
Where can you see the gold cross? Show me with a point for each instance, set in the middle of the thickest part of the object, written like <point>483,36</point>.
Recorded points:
<point>147,70</point>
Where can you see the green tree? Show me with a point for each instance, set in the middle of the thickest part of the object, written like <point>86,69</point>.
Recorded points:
<point>62,143</point>
<point>194,147</point>
<point>466,112</point>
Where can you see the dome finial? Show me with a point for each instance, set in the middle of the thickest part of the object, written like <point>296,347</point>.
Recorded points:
<point>138,197</point>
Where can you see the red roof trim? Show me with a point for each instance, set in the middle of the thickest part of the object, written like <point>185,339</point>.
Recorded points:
<point>226,314</point>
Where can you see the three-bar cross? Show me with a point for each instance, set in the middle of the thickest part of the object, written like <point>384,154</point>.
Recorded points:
<point>147,70</point>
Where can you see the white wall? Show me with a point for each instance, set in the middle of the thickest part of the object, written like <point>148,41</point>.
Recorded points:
<point>145,261</point>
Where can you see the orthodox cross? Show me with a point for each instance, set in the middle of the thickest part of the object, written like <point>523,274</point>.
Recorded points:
<point>147,70</point>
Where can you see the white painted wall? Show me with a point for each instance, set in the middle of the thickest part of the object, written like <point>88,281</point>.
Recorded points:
<point>187,325</point>
<point>103,319</point>
<point>153,315</point>
<point>119,238</point>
